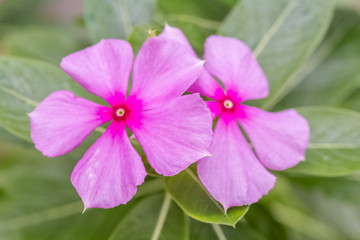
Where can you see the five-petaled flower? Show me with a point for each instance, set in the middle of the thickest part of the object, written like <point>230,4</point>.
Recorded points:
<point>173,130</point>
<point>234,175</point>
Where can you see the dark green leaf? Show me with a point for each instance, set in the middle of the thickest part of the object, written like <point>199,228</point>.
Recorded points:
<point>257,224</point>
<point>207,9</point>
<point>14,9</point>
<point>154,217</point>
<point>354,101</point>
<point>197,19</point>
<point>187,190</point>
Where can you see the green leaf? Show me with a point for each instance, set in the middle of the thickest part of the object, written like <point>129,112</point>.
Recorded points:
<point>326,198</point>
<point>243,230</point>
<point>317,208</point>
<point>348,4</point>
<point>332,73</point>
<point>197,19</point>
<point>206,9</point>
<point>36,194</point>
<point>154,217</point>
<point>116,18</point>
<point>282,34</point>
<point>188,192</point>
<point>14,9</point>
<point>354,101</point>
<point>46,43</point>
<point>23,84</point>
<point>257,224</point>
<point>139,35</point>
<point>334,148</point>
<point>150,171</point>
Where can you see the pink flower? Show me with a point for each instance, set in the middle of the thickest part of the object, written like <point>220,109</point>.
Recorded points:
<point>234,175</point>
<point>174,130</point>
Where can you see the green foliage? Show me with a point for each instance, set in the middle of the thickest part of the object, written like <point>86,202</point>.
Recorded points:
<point>189,193</point>
<point>116,18</point>
<point>334,147</point>
<point>39,41</point>
<point>279,34</point>
<point>36,194</point>
<point>23,84</point>
<point>330,75</point>
<point>153,216</point>
<point>37,200</point>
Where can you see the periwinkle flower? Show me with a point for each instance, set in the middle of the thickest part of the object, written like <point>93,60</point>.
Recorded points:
<point>173,130</point>
<point>236,175</point>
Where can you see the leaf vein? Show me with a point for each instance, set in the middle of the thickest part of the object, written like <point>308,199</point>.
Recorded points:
<point>19,96</point>
<point>275,27</point>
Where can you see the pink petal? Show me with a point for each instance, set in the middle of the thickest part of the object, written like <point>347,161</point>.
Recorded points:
<point>110,171</point>
<point>280,139</point>
<point>102,69</point>
<point>232,62</point>
<point>163,69</point>
<point>233,175</point>
<point>207,86</point>
<point>177,35</point>
<point>62,121</point>
<point>215,108</point>
<point>175,134</point>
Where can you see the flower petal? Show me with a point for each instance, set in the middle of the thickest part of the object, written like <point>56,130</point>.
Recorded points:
<point>177,35</point>
<point>175,134</point>
<point>62,121</point>
<point>279,139</point>
<point>163,69</point>
<point>207,86</point>
<point>110,171</point>
<point>232,62</point>
<point>215,108</point>
<point>102,69</point>
<point>233,175</point>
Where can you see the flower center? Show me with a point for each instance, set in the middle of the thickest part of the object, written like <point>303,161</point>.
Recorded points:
<point>228,104</point>
<point>120,112</point>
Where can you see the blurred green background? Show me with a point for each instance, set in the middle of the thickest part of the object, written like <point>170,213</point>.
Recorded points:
<point>37,200</point>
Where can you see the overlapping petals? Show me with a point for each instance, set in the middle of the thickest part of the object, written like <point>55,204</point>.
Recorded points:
<point>175,135</point>
<point>234,175</point>
<point>176,35</point>
<point>154,81</point>
<point>206,85</point>
<point>174,131</point>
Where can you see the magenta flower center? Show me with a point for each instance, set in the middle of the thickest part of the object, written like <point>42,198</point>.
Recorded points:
<point>228,104</point>
<point>120,112</point>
